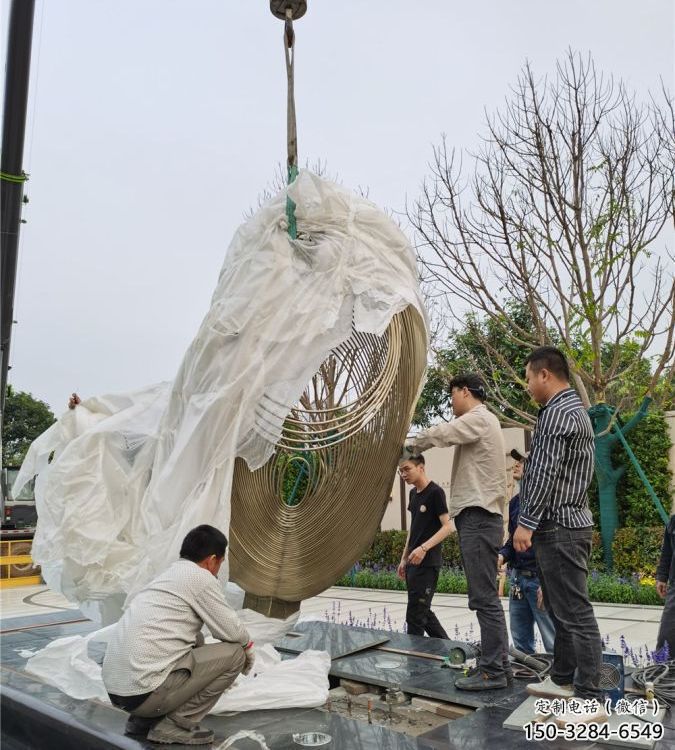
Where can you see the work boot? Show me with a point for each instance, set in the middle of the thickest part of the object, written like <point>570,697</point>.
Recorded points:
<point>508,673</point>
<point>138,726</point>
<point>167,732</point>
<point>549,689</point>
<point>482,681</point>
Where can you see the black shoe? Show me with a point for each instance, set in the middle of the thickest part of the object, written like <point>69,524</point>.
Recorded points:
<point>508,673</point>
<point>481,681</point>
<point>167,732</point>
<point>137,726</point>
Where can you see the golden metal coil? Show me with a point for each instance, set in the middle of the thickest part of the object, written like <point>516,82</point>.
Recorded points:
<point>347,431</point>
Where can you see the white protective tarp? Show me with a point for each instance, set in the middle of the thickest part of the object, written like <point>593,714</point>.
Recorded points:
<point>131,474</point>
<point>121,479</point>
<point>295,683</point>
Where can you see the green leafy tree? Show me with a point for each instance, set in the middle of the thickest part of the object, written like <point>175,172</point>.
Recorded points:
<point>480,346</point>
<point>562,208</point>
<point>25,418</point>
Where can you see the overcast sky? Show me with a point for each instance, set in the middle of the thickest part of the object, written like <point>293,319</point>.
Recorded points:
<point>155,124</point>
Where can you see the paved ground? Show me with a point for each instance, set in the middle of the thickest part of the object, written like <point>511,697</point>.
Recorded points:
<point>383,609</point>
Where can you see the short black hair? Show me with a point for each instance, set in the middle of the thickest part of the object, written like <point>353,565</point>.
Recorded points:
<point>551,359</point>
<point>202,542</point>
<point>417,460</point>
<point>473,382</point>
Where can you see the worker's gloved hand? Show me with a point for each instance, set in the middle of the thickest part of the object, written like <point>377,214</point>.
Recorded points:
<point>249,653</point>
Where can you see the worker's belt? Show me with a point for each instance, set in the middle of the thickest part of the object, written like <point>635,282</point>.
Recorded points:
<point>526,573</point>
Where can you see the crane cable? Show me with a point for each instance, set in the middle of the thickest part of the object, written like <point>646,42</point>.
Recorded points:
<point>291,124</point>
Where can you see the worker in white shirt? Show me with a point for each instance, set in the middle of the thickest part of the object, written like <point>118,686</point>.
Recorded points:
<point>157,667</point>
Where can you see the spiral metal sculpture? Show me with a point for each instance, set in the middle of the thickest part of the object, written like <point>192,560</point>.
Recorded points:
<point>305,517</point>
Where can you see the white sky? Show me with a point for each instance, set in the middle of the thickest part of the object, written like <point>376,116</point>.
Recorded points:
<point>155,124</point>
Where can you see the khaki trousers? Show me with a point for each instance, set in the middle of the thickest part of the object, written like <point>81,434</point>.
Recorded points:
<point>194,684</point>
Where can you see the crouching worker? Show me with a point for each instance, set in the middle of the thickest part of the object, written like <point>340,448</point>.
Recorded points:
<point>157,667</point>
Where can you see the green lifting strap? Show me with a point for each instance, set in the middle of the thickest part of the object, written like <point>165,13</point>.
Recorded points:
<point>290,205</point>
<point>15,178</point>
<point>648,485</point>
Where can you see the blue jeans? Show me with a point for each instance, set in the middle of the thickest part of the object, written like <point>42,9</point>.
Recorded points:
<point>523,613</point>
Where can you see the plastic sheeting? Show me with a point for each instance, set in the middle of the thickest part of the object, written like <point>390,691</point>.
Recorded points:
<point>273,683</point>
<point>295,683</point>
<point>131,474</point>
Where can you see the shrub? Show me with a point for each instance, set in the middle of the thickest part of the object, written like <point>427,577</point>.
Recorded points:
<point>597,561</point>
<point>637,550</point>
<point>602,587</point>
<point>650,442</point>
<point>386,549</point>
<point>613,589</point>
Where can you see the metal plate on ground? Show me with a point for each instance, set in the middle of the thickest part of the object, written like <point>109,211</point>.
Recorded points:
<point>337,640</point>
<point>382,668</point>
<point>525,713</point>
<point>439,684</point>
<point>419,644</point>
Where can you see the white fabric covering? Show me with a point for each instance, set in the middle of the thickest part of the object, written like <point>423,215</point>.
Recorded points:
<point>133,473</point>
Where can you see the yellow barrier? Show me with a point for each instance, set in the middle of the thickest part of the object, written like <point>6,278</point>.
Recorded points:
<point>16,564</point>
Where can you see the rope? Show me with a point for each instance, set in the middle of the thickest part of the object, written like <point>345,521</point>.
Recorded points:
<point>291,124</point>
<point>15,178</point>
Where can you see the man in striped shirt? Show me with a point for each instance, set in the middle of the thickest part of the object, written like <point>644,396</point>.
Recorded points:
<point>554,513</point>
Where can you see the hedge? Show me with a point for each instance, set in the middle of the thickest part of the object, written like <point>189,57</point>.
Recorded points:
<point>636,550</point>
<point>602,587</point>
<point>650,442</point>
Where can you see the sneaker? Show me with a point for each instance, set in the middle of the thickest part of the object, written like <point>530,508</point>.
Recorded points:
<point>137,726</point>
<point>598,716</point>
<point>549,689</point>
<point>481,681</point>
<point>167,732</point>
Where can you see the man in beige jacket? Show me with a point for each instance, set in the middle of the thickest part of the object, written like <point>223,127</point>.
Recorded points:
<point>156,666</point>
<point>476,503</point>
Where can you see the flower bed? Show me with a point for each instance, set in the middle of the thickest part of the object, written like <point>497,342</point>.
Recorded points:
<point>602,587</point>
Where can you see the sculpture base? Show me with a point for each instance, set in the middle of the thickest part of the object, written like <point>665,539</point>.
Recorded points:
<point>270,606</point>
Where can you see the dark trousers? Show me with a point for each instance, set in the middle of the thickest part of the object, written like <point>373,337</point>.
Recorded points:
<point>421,582</point>
<point>480,538</point>
<point>562,560</point>
<point>667,628</point>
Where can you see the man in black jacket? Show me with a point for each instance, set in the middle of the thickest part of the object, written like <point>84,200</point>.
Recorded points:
<point>526,604</point>
<point>665,585</point>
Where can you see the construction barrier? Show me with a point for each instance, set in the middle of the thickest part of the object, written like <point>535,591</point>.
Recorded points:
<point>16,564</point>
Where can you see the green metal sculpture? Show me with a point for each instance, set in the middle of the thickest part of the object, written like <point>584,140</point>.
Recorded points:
<point>610,431</point>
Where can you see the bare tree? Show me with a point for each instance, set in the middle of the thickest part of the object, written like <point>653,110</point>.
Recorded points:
<point>563,210</point>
